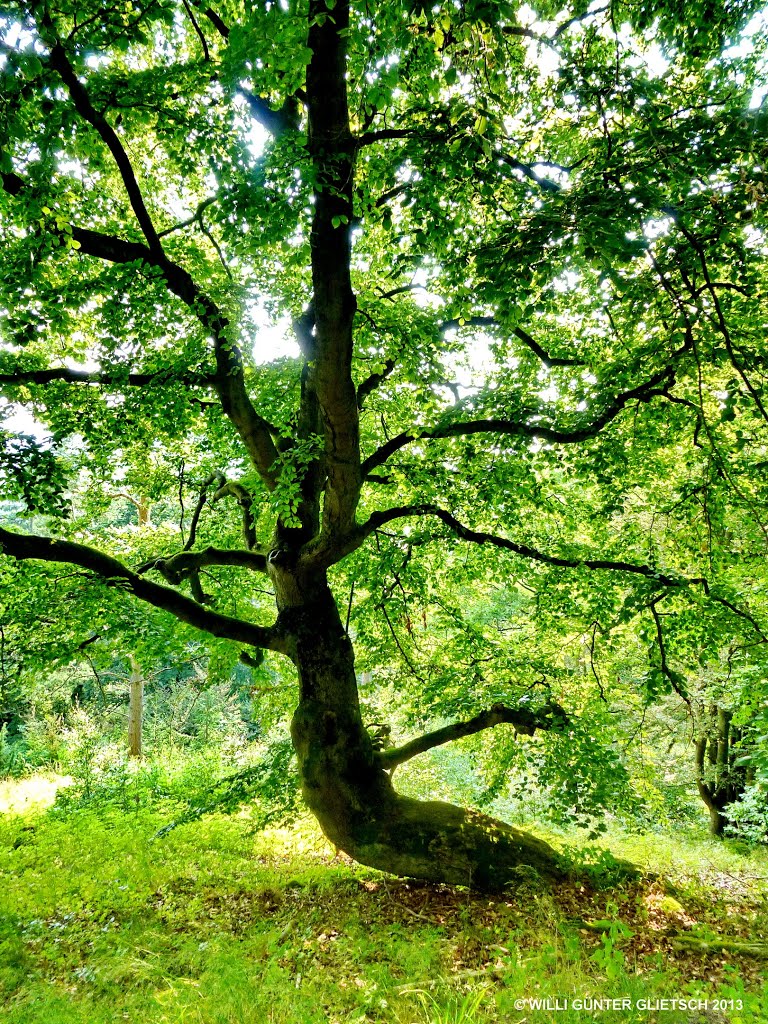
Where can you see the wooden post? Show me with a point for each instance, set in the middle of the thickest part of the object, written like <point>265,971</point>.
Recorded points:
<point>135,709</point>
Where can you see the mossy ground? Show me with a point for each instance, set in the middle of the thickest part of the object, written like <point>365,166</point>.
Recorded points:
<point>217,923</point>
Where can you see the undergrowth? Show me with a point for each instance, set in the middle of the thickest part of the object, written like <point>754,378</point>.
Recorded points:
<point>218,922</point>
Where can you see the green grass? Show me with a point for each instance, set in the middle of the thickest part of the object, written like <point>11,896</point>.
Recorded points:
<point>216,924</point>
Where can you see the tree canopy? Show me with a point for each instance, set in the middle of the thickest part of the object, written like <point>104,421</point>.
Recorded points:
<point>438,329</point>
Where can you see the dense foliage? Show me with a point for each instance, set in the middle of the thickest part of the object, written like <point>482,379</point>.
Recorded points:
<point>457,310</point>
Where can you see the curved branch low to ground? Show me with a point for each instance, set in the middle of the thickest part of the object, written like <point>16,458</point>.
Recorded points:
<point>113,572</point>
<point>524,721</point>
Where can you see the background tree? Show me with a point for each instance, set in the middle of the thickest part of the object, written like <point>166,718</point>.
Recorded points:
<point>522,255</point>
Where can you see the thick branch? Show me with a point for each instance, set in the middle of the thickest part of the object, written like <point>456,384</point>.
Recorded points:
<point>177,566</point>
<point>13,184</point>
<point>60,62</point>
<point>720,316</point>
<point>331,148</point>
<point>28,546</point>
<point>384,134</point>
<point>737,611</point>
<point>138,380</point>
<point>198,30</point>
<point>215,20</point>
<point>275,121</point>
<point>525,169</point>
<point>245,500</point>
<point>528,33</point>
<point>253,429</point>
<point>198,510</point>
<point>196,218</point>
<point>371,383</point>
<point>379,519</point>
<point>675,680</point>
<point>525,722</point>
<point>548,360</point>
<point>525,428</point>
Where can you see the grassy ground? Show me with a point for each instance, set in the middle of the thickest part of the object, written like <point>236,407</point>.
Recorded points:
<point>214,924</point>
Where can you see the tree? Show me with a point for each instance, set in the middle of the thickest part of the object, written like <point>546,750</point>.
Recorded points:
<point>718,745</point>
<point>522,255</point>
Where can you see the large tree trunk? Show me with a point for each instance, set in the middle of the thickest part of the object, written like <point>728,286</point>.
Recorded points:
<point>352,796</point>
<point>717,821</point>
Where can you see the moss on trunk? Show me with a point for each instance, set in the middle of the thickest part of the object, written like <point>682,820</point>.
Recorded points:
<point>361,814</point>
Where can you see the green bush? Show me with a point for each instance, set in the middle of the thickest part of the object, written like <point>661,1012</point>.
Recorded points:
<point>748,817</point>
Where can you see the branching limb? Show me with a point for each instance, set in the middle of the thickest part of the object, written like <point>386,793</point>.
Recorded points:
<point>525,722</point>
<point>112,571</point>
<point>221,27</point>
<point>176,568</point>
<point>742,614</point>
<point>245,499</point>
<point>491,322</point>
<point>196,588</point>
<point>655,386</point>
<point>548,360</point>
<point>385,134</point>
<point>198,30</point>
<point>252,660</point>
<point>578,18</point>
<point>12,183</point>
<point>720,316</point>
<point>201,500</point>
<point>546,184</point>
<point>60,62</point>
<point>371,383</point>
<point>255,433</point>
<point>194,219</point>
<point>379,519</point>
<point>548,40</point>
<point>275,120</point>
<point>225,488</point>
<point>138,380</point>
<point>674,679</point>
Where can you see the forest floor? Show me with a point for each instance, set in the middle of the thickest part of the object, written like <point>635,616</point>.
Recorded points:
<point>215,923</point>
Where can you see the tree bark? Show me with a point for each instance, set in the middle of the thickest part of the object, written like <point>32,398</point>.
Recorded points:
<point>135,710</point>
<point>723,782</point>
<point>347,789</point>
<point>717,821</point>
